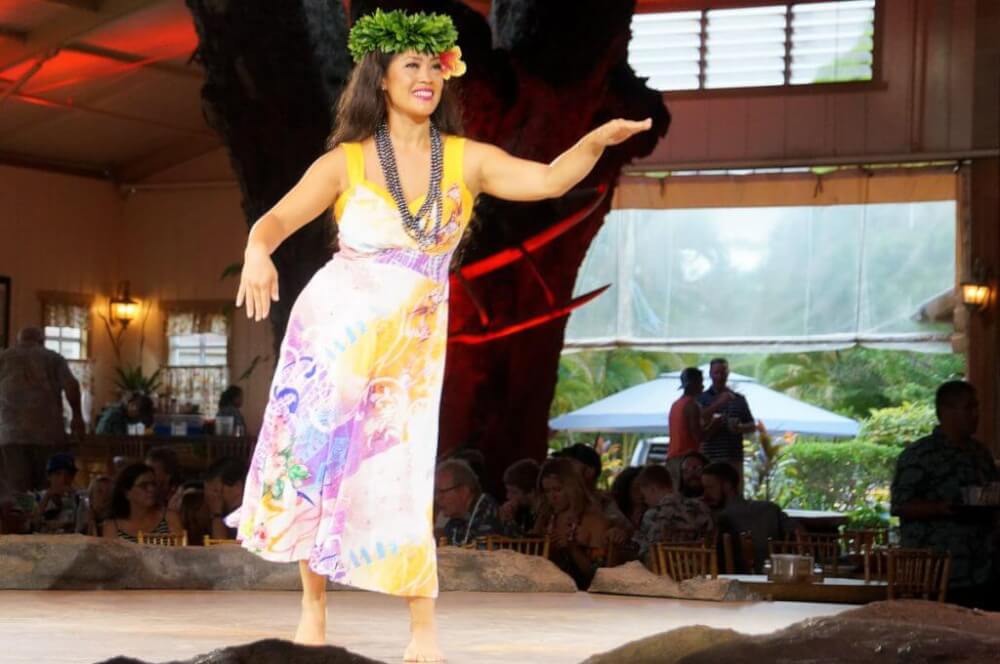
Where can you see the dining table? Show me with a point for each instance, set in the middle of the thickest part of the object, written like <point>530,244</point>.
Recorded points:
<point>829,590</point>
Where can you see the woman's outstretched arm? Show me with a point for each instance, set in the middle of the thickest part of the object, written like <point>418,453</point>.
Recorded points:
<point>492,171</point>
<point>315,192</point>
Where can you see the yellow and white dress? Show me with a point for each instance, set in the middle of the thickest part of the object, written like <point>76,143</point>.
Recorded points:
<point>343,471</point>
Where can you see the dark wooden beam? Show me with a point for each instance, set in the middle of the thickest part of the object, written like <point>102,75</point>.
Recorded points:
<point>56,34</point>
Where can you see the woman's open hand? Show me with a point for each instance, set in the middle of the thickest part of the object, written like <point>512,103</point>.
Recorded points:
<point>617,131</point>
<point>258,283</point>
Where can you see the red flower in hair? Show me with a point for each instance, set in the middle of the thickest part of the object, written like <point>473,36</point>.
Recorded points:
<point>451,63</point>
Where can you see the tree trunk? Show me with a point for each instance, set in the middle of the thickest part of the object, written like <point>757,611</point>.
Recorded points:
<point>541,74</point>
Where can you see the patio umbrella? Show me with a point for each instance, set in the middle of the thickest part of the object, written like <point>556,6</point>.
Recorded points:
<point>643,409</point>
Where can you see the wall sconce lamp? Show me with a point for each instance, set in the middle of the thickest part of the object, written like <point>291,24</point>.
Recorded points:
<point>976,296</point>
<point>122,309</point>
<point>979,291</point>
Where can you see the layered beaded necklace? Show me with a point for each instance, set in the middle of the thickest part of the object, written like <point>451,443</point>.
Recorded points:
<point>432,202</point>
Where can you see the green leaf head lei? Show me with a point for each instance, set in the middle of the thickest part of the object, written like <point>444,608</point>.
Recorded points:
<point>399,31</point>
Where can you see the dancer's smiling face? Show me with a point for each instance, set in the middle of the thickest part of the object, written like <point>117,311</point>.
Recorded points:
<point>413,83</point>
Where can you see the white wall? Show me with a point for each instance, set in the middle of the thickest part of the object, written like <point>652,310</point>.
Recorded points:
<point>79,235</point>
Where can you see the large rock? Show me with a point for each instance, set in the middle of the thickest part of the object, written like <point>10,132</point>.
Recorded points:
<point>634,579</point>
<point>270,651</point>
<point>499,571</point>
<point>901,632</point>
<point>77,562</point>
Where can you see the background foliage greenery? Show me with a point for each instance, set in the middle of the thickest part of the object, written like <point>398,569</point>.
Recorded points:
<point>890,392</point>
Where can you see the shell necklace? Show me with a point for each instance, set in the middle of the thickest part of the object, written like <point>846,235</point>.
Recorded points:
<point>432,202</point>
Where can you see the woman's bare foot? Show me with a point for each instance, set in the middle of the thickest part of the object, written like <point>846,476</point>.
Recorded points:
<point>423,633</point>
<point>423,647</point>
<point>312,624</point>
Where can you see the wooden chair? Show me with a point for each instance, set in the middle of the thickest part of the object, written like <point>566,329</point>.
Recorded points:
<point>163,540</point>
<point>478,543</point>
<point>857,542</point>
<point>529,546</point>
<point>219,542</point>
<point>823,547</point>
<point>917,574</point>
<point>681,563</point>
<point>745,544</point>
<point>746,548</point>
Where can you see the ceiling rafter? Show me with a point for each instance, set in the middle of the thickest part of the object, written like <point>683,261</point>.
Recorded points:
<point>56,34</point>
<point>85,5</point>
<point>132,58</point>
<point>165,158</point>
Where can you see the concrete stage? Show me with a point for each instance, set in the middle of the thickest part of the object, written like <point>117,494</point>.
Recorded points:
<point>78,627</point>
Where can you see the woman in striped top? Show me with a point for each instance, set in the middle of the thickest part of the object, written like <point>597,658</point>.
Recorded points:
<point>134,507</point>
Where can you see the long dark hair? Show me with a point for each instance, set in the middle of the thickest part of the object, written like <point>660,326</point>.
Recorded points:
<point>362,106</point>
<point>120,508</point>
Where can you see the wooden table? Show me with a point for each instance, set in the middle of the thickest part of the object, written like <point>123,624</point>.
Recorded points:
<point>816,521</point>
<point>833,590</point>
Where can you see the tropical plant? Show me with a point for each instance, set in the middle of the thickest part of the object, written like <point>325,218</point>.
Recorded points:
<point>898,425</point>
<point>131,380</point>
<point>762,461</point>
<point>851,477</point>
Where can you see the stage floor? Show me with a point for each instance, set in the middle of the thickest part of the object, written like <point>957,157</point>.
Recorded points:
<point>56,627</point>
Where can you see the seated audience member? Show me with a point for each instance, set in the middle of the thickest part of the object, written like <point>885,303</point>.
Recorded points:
<point>59,504</point>
<point>474,458</point>
<point>115,419</point>
<point>224,494</point>
<point>927,490</point>
<point>588,464</point>
<point>573,521</point>
<point>627,496</point>
<point>194,515</point>
<point>134,507</point>
<point>471,513</point>
<point>16,510</point>
<point>692,466</point>
<point>167,475</point>
<point>733,514</point>
<point>230,403</point>
<point>519,512</point>
<point>96,507</point>
<point>670,516</point>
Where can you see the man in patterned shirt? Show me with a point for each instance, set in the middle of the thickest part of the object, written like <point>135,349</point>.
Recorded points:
<point>32,382</point>
<point>671,516</point>
<point>927,496</point>
<point>471,513</point>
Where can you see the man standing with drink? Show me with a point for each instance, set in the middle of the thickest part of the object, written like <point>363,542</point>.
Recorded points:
<point>724,439</point>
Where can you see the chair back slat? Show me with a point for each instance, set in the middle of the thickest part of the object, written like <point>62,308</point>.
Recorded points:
<point>529,546</point>
<point>162,540</point>
<point>917,573</point>
<point>209,541</point>
<point>681,563</point>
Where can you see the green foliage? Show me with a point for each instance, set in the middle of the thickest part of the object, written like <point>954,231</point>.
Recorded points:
<point>398,31</point>
<point>856,381</point>
<point>851,477</point>
<point>131,379</point>
<point>898,425</point>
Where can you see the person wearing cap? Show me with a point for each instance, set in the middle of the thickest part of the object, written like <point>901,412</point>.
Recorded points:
<point>688,418</point>
<point>32,382</point>
<point>59,503</point>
